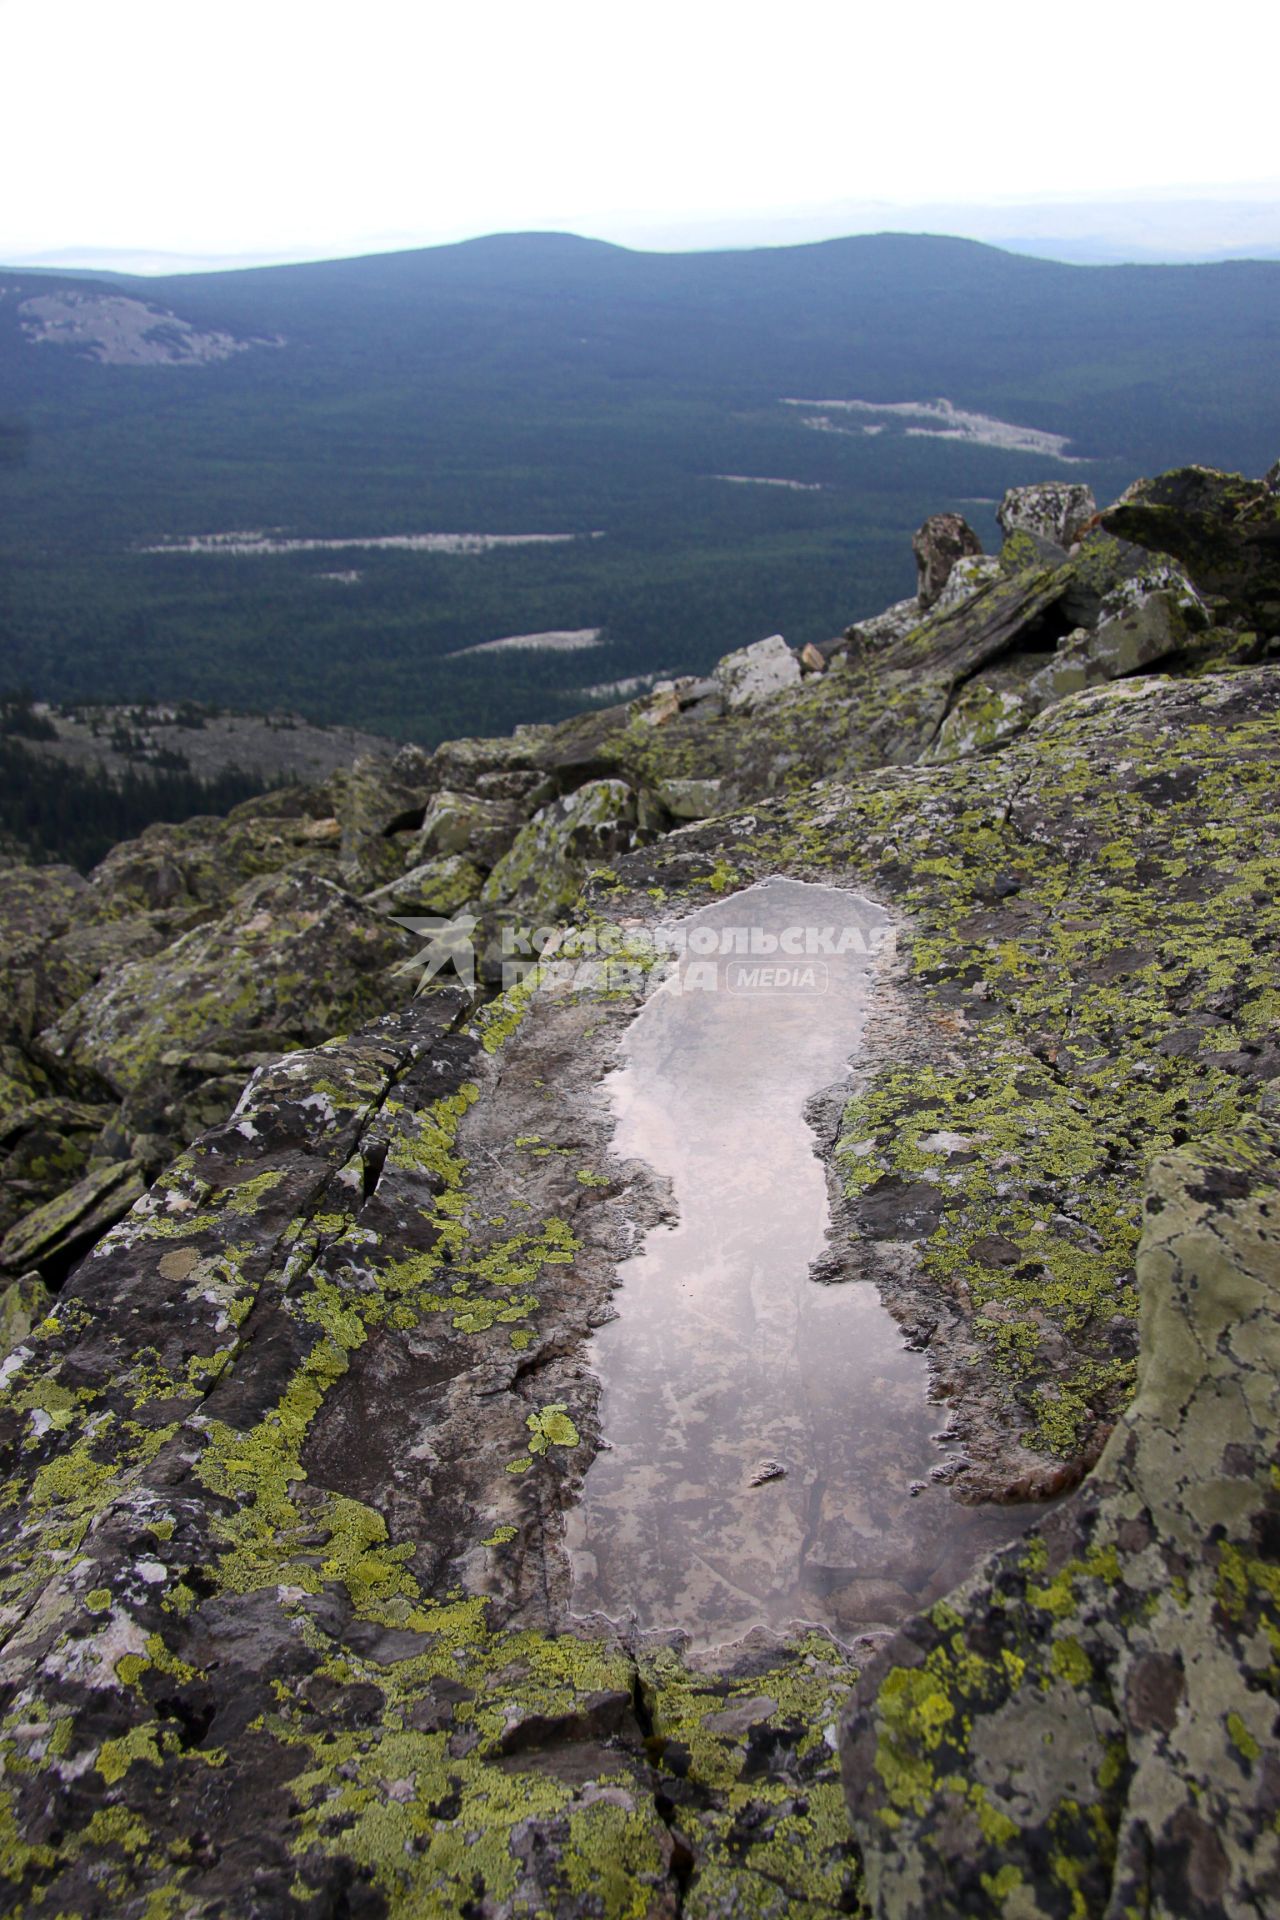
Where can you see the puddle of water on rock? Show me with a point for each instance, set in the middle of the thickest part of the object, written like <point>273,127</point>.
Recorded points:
<point>726,1355</point>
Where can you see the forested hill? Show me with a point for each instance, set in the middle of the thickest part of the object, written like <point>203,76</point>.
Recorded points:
<point>542,384</point>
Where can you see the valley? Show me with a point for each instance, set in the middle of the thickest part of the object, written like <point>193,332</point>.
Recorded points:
<point>372,469</point>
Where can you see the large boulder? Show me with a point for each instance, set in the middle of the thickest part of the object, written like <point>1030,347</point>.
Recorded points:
<point>937,545</point>
<point>758,672</point>
<point>1056,510</point>
<point>883,629</point>
<point>1148,620</point>
<point>477,766</point>
<point>440,886</point>
<point>1224,529</point>
<point>292,960</point>
<point>692,799</point>
<point>989,710</point>
<point>372,800</point>
<point>542,875</point>
<point>1006,613</point>
<point>1145,629</point>
<point>479,826</point>
<point>44,1146</point>
<point>50,1239</point>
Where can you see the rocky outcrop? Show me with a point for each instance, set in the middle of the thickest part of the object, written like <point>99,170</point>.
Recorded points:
<point>1092,1717</point>
<point>290,960</point>
<point>293,1418</point>
<point>1055,510</point>
<point>300,1534</point>
<point>965,577</point>
<point>1223,528</point>
<point>944,539</point>
<point>542,874</point>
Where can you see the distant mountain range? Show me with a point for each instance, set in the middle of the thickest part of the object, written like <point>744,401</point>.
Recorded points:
<point>1171,229</point>
<point>331,486</point>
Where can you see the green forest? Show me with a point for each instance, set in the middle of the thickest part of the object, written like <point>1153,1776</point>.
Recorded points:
<point>52,811</point>
<point>542,384</point>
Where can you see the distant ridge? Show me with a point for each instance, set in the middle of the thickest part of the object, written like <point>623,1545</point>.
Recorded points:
<point>1180,227</point>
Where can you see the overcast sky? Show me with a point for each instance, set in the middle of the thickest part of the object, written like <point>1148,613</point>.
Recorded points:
<point>301,126</point>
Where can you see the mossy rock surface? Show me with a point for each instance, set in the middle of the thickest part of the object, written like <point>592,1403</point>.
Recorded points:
<point>1089,945</point>
<point>270,1579</point>
<point>291,960</point>
<point>284,1604</point>
<point>1088,1724</point>
<point>1224,528</point>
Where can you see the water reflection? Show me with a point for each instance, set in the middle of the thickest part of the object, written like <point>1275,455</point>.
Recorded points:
<point>765,1431</point>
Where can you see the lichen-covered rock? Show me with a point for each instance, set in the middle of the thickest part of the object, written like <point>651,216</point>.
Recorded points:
<point>40,908</point>
<point>1057,510</point>
<point>1146,616</point>
<point>290,960</point>
<point>542,875</point>
<point>944,539</point>
<point>965,578</point>
<point>343,829</point>
<point>23,1304</point>
<point>202,861</point>
<point>986,714</point>
<point>1223,528</point>
<point>1148,576</point>
<point>1140,634</point>
<point>441,886</point>
<point>1087,986</point>
<point>286,1449</point>
<point>465,766</point>
<point>691,799</point>
<point>51,1238</point>
<point>470,824</point>
<point>898,679</point>
<point>1089,1724</point>
<point>1019,609</point>
<point>882,629</point>
<point>756,672</point>
<point>38,904</point>
<point>44,1146</point>
<point>284,1600</point>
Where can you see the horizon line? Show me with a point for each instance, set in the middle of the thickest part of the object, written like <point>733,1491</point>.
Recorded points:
<point>1065,250</point>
